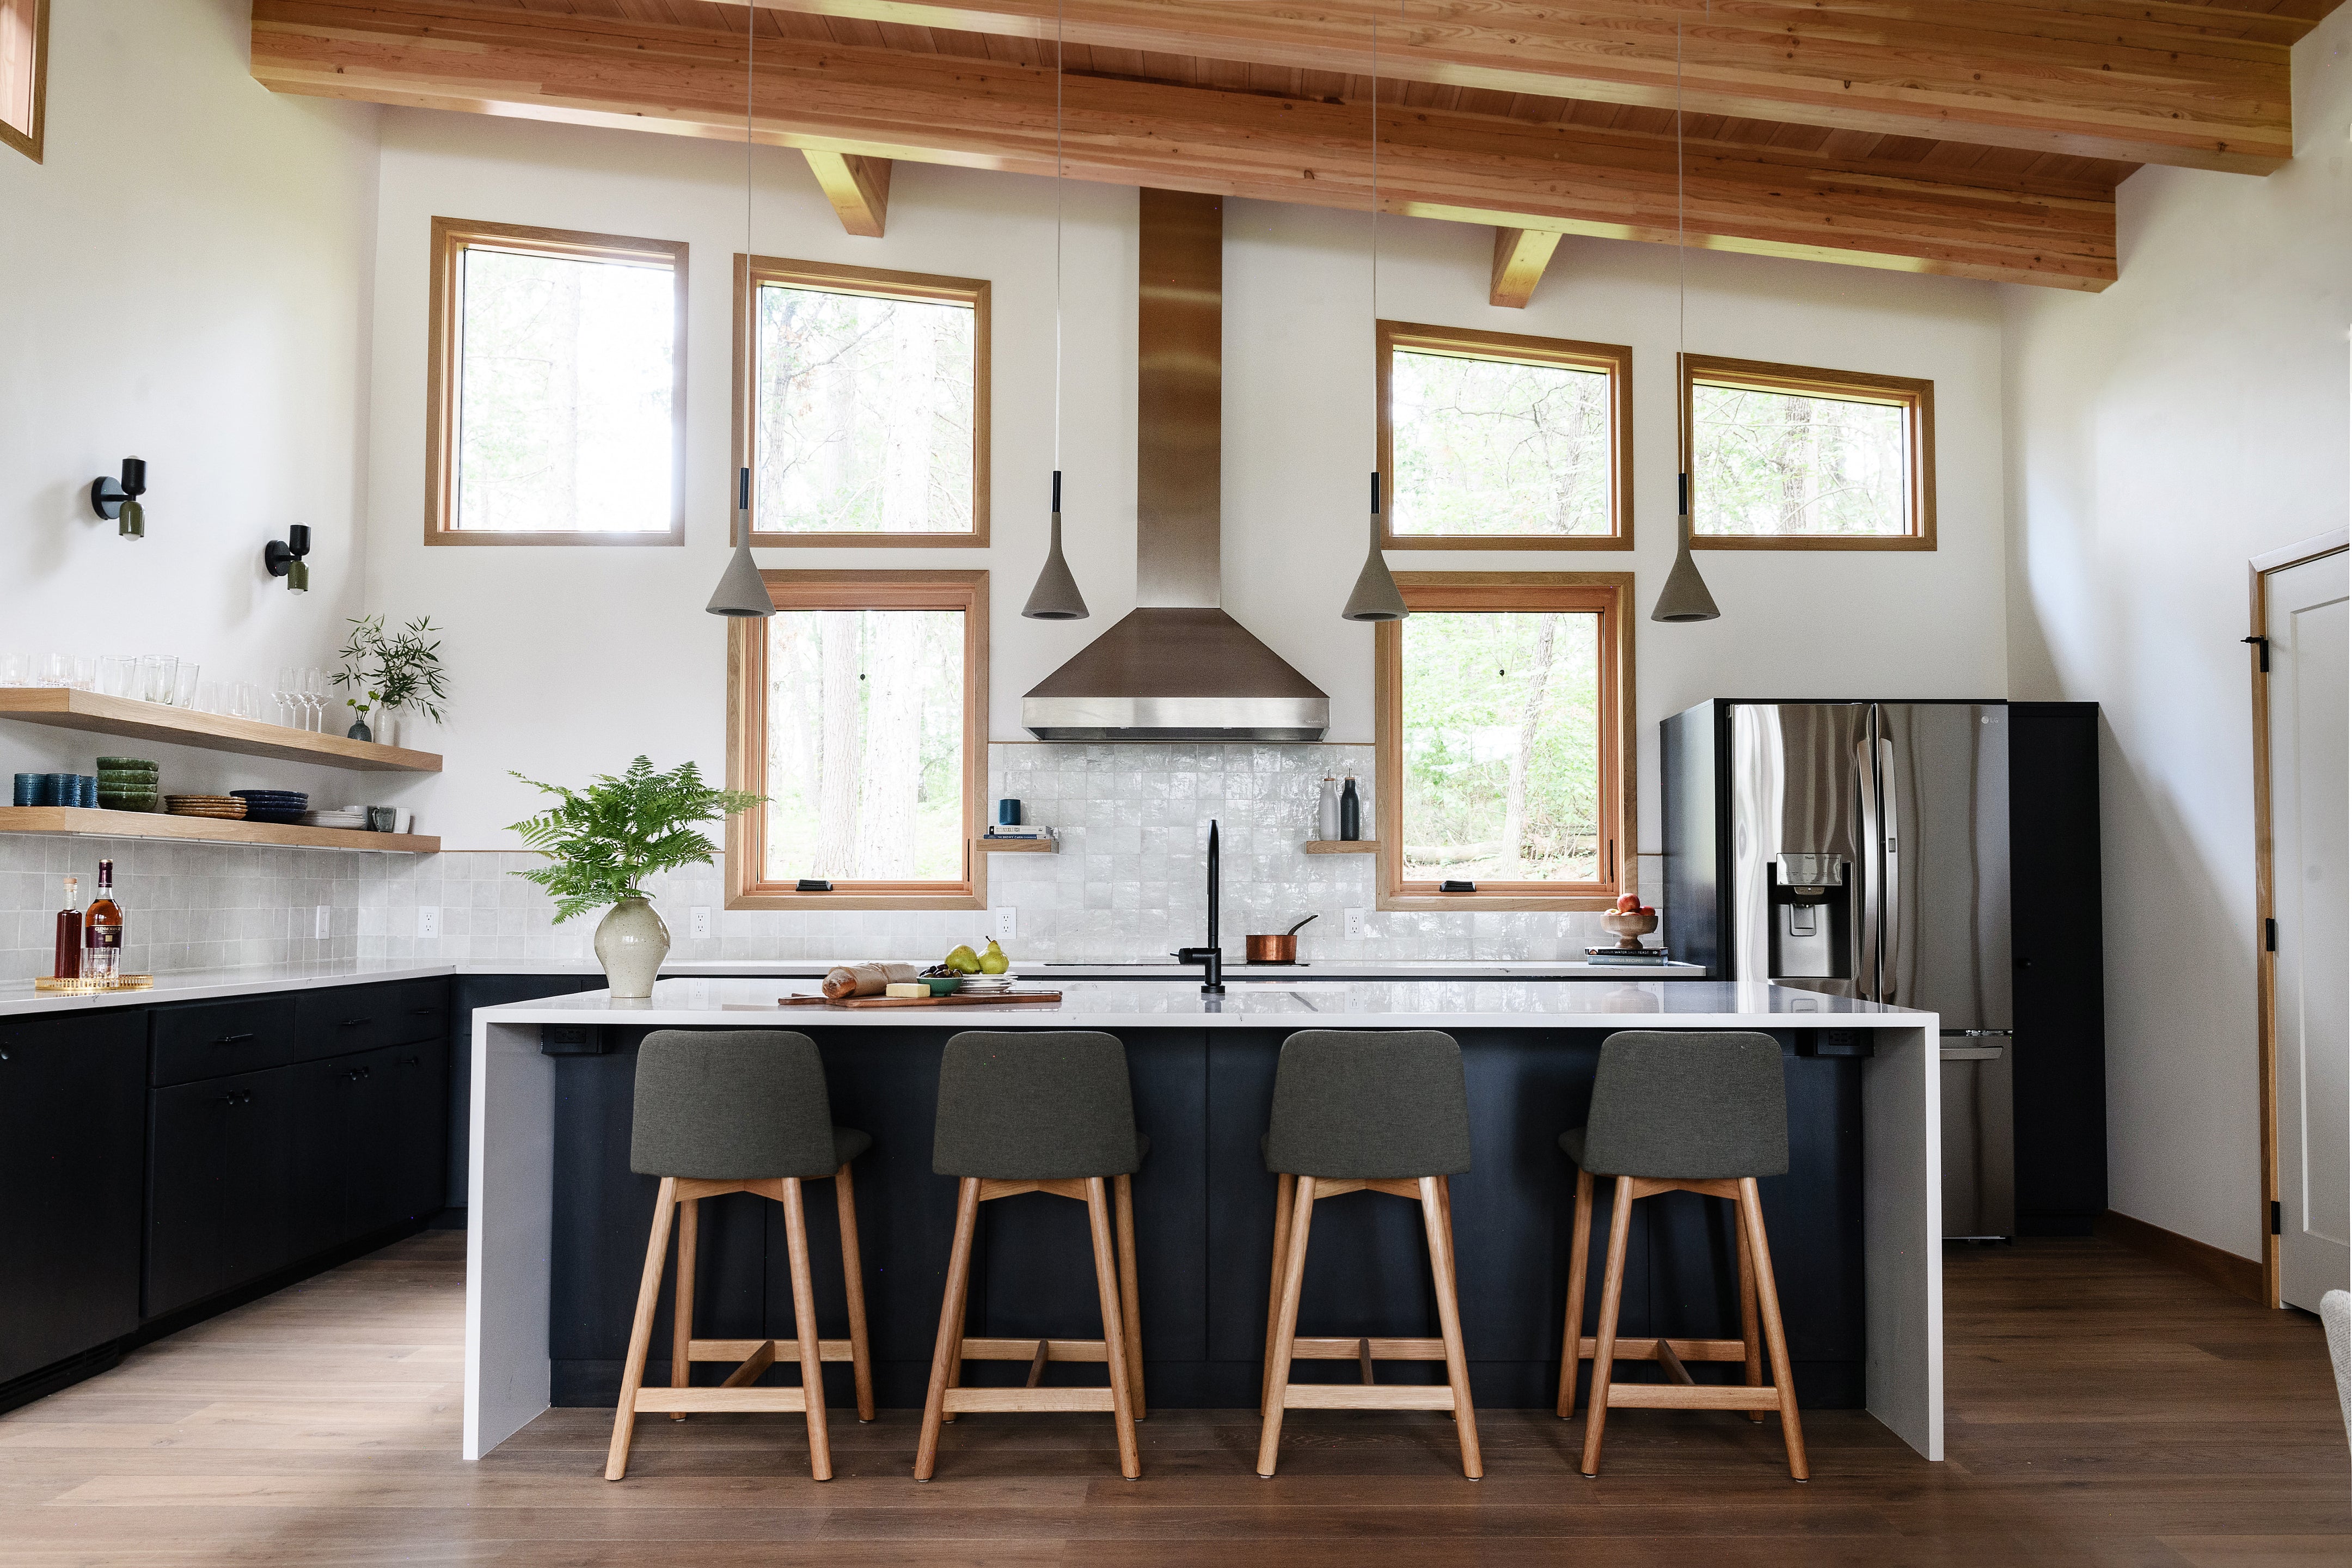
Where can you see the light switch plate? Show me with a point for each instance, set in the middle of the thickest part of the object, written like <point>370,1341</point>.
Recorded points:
<point>428,921</point>
<point>321,922</point>
<point>1003,914</point>
<point>697,922</point>
<point>1357,926</point>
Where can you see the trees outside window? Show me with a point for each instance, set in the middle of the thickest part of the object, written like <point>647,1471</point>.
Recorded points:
<point>1785,457</point>
<point>24,71</point>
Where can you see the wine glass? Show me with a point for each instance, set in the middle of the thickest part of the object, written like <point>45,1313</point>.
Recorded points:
<point>290,680</point>
<point>314,692</point>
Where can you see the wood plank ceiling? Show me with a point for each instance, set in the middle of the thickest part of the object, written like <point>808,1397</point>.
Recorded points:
<point>1979,140</point>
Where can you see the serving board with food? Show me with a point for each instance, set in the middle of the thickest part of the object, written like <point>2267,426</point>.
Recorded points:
<point>965,979</point>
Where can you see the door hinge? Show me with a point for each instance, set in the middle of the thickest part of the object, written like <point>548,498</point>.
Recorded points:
<point>2270,935</point>
<point>2262,650</point>
<point>2275,1216</point>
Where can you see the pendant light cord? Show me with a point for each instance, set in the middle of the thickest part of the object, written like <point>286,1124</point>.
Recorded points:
<point>1058,182</point>
<point>750,295</point>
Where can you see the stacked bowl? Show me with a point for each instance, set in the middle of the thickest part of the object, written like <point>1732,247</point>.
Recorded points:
<point>224,807</point>
<point>127,783</point>
<point>273,804</point>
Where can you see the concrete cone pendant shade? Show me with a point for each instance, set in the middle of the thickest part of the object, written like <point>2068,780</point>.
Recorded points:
<point>741,591</point>
<point>1375,597</point>
<point>1684,597</point>
<point>1056,597</point>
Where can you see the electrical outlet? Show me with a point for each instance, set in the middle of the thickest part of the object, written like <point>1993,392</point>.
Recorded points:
<point>428,921</point>
<point>1003,914</point>
<point>697,922</point>
<point>1358,928</point>
<point>321,922</point>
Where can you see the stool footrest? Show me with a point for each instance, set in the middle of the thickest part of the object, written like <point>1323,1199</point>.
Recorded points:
<point>969,1401</point>
<point>788,1351</point>
<point>787,1400</point>
<point>1366,1396</point>
<point>1024,1350</point>
<point>1690,1397</point>
<point>1382,1350</point>
<point>1647,1350</point>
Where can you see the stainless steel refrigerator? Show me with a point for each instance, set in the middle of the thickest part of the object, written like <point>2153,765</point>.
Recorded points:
<point>1862,849</point>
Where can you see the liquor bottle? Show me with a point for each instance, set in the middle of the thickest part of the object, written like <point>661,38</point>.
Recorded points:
<point>101,930</point>
<point>1351,812</point>
<point>68,954</point>
<point>1327,809</point>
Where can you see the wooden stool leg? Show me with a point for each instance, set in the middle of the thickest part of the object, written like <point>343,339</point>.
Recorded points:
<point>1286,1326</point>
<point>1604,1339</point>
<point>1754,1371</point>
<point>682,1313</point>
<point>1286,1192</point>
<point>1122,1399</point>
<point>852,1284</point>
<point>1767,1302</point>
<point>1579,1259</point>
<point>1437,1219</point>
<point>804,1321</point>
<point>947,1354</point>
<point>641,1333</point>
<point>1130,1304</point>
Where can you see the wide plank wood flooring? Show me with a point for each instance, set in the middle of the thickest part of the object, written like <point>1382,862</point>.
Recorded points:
<point>2105,1412</point>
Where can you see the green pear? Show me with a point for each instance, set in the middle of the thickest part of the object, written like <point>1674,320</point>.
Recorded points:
<point>963,961</point>
<point>993,961</point>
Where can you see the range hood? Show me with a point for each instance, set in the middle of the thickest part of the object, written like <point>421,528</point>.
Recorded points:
<point>1178,668</point>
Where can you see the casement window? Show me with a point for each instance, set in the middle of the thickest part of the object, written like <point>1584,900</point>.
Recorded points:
<point>1504,756</point>
<point>861,405</point>
<point>1785,457</point>
<point>555,398</point>
<point>1493,441</point>
<point>860,710</point>
<point>23,66</point>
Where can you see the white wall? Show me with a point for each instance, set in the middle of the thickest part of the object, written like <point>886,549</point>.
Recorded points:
<point>569,661</point>
<point>2160,434</point>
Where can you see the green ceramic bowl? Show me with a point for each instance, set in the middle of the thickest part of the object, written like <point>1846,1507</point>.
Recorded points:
<point>127,781</point>
<point>940,984</point>
<point>126,765</point>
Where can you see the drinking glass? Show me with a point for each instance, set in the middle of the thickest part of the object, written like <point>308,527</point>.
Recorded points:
<point>314,692</point>
<point>158,673</point>
<point>184,686</point>
<point>118,675</point>
<point>85,672</point>
<point>208,698</point>
<point>283,694</point>
<point>13,667</point>
<point>249,700</point>
<point>56,670</point>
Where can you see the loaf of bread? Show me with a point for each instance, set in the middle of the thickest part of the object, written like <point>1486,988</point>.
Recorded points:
<point>864,979</point>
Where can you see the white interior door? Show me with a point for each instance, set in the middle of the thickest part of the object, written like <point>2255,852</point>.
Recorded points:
<point>2306,620</point>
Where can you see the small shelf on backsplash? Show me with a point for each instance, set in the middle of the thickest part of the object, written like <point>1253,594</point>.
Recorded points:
<point>1343,846</point>
<point>1017,846</point>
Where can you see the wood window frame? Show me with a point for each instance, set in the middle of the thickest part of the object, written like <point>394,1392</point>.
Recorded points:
<point>1615,360</point>
<point>1916,396</point>
<point>29,140</point>
<point>1611,595</point>
<point>753,272</point>
<point>747,732</point>
<point>452,237</point>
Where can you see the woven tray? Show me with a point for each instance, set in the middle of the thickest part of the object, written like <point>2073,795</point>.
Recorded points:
<point>93,987</point>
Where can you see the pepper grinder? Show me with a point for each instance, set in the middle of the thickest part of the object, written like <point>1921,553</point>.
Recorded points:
<point>1351,813</point>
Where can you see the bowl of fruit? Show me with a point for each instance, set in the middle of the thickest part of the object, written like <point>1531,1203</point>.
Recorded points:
<point>941,979</point>
<point>1629,922</point>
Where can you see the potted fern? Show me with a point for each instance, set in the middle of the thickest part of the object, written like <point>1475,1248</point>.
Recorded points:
<point>606,840</point>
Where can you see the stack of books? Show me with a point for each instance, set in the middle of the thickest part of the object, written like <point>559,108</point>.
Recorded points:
<point>1022,830</point>
<point>1631,956</point>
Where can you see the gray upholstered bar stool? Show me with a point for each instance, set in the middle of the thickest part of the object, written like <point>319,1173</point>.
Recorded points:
<point>1044,1112</point>
<point>1359,1111</point>
<point>740,1111</point>
<point>1702,1111</point>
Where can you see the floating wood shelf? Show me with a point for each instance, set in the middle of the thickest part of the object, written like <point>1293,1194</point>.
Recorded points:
<point>88,823</point>
<point>69,710</point>
<point>1017,846</point>
<point>1343,846</point>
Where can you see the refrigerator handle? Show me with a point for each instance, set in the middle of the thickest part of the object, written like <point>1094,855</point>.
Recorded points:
<point>1866,984</point>
<point>1888,852</point>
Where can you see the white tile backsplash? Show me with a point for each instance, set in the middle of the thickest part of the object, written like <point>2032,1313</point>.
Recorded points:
<point>1127,884</point>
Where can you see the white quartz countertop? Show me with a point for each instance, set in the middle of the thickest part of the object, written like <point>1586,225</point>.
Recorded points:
<point>1252,1004</point>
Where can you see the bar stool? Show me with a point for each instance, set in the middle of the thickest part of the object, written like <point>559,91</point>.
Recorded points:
<point>740,1111</point>
<point>1049,1111</point>
<point>1364,1111</point>
<point>1707,1112</point>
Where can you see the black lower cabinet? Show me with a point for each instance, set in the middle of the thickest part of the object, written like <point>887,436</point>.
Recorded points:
<point>420,1156</point>
<point>220,1194</point>
<point>71,1093</point>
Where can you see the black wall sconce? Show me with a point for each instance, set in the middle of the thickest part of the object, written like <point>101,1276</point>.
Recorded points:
<point>118,501</point>
<point>285,559</point>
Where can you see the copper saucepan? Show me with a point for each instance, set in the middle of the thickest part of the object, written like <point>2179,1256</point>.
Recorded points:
<point>1282,947</point>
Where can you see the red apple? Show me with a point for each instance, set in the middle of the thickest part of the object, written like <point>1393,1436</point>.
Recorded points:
<point>1648,911</point>
<point>1628,903</point>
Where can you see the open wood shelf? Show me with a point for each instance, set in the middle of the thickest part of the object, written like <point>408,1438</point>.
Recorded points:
<point>1343,846</point>
<point>69,710</point>
<point>90,824</point>
<point>1017,846</point>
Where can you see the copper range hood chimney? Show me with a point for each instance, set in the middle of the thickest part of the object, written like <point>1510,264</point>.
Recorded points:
<point>1178,668</point>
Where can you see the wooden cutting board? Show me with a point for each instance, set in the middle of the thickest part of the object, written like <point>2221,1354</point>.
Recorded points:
<point>952,999</point>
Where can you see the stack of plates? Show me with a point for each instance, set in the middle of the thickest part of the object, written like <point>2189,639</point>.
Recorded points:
<point>336,817</point>
<point>227,807</point>
<point>273,804</point>
<point>127,783</point>
<point>984,984</point>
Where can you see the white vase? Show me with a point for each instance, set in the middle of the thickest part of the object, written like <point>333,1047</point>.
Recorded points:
<point>386,726</point>
<point>631,942</point>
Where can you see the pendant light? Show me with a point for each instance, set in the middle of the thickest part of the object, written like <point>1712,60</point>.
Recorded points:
<point>743,594</point>
<point>1375,597</point>
<point>1056,597</point>
<point>1684,597</point>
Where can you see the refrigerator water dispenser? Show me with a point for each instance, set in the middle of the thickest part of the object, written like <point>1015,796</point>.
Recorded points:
<point>1811,918</point>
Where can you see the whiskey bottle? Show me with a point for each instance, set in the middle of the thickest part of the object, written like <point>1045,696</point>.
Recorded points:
<point>101,930</point>
<point>68,953</point>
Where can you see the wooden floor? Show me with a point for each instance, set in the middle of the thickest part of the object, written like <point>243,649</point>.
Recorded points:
<point>2105,1411</point>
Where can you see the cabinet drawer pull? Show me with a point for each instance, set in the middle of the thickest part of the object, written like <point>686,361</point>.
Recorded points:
<point>233,1039</point>
<point>351,1023</point>
<point>423,1012</point>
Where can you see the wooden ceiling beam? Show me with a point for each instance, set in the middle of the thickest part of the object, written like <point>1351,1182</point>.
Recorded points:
<point>1520,257</point>
<point>2143,81</point>
<point>858,188</point>
<point>930,108</point>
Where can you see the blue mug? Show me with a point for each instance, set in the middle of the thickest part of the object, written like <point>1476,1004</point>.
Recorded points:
<point>88,791</point>
<point>62,789</point>
<point>30,788</point>
<point>1008,813</point>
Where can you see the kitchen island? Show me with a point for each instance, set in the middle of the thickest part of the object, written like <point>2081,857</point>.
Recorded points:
<point>558,1221</point>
